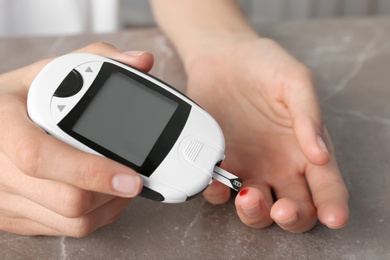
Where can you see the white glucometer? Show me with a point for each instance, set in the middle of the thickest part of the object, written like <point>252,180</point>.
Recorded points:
<point>107,108</point>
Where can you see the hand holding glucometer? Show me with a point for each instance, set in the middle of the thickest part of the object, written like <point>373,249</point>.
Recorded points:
<point>107,108</point>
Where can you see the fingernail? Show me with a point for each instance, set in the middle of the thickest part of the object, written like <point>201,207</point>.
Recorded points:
<point>288,221</point>
<point>126,184</point>
<point>322,144</point>
<point>334,227</point>
<point>135,53</point>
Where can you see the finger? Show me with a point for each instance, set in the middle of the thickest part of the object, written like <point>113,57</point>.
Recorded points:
<point>330,195</point>
<point>26,227</point>
<point>217,193</point>
<point>75,202</point>
<point>307,120</point>
<point>294,216</point>
<point>83,226</point>
<point>294,210</point>
<point>20,80</point>
<point>253,206</point>
<point>12,221</point>
<point>57,224</point>
<point>98,218</point>
<point>42,156</point>
<point>142,60</point>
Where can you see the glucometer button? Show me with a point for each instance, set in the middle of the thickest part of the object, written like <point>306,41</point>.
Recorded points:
<point>151,194</point>
<point>70,86</point>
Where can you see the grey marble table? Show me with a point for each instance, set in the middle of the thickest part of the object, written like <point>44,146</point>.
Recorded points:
<point>350,60</point>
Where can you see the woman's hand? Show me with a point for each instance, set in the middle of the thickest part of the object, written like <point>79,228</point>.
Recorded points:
<point>46,186</point>
<point>266,104</point>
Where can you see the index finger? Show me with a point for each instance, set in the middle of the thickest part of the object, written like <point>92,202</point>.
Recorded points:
<point>13,81</point>
<point>330,195</point>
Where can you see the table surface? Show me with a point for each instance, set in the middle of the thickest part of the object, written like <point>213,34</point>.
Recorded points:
<point>350,60</point>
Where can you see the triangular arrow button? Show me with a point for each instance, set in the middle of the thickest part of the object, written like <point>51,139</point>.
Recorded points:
<point>61,107</point>
<point>88,69</point>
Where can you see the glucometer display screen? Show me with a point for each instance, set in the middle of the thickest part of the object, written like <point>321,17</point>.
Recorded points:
<point>125,117</point>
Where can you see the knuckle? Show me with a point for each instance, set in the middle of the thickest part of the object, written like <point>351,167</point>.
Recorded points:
<point>76,202</point>
<point>97,47</point>
<point>28,155</point>
<point>80,227</point>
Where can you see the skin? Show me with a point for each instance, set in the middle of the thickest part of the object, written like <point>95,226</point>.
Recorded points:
<point>40,197</point>
<point>273,131</point>
<point>266,104</point>
<point>264,100</point>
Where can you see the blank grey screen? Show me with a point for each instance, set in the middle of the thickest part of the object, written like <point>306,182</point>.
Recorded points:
<point>126,118</point>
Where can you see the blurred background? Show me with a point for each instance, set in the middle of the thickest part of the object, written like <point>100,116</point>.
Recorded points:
<point>46,17</point>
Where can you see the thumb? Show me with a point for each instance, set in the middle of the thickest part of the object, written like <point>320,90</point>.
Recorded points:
<point>308,123</point>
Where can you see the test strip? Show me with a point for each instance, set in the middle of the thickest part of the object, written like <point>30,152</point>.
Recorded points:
<point>227,178</point>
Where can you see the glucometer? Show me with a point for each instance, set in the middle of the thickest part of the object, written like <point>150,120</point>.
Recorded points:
<point>104,107</point>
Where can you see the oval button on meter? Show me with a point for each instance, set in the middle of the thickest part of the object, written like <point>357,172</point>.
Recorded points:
<point>70,85</point>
